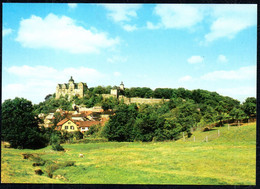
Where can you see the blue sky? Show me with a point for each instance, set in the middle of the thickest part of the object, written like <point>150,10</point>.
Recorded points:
<point>211,47</point>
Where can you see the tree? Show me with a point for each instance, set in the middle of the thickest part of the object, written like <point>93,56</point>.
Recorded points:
<point>20,125</point>
<point>55,142</point>
<point>119,126</point>
<point>237,114</point>
<point>109,103</point>
<point>57,118</point>
<point>147,123</point>
<point>249,106</point>
<point>49,96</point>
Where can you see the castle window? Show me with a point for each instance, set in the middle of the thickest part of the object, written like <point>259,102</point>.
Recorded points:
<point>66,127</point>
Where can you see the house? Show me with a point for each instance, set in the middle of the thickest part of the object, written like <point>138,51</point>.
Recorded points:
<point>85,125</point>
<point>48,121</point>
<point>78,117</point>
<point>67,125</point>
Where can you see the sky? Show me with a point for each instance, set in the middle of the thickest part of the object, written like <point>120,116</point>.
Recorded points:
<point>194,46</point>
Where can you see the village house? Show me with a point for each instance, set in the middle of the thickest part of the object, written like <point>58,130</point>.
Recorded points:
<point>48,121</point>
<point>67,125</point>
<point>85,125</point>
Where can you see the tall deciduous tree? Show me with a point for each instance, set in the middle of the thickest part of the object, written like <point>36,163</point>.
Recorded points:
<point>249,106</point>
<point>20,125</point>
<point>237,114</point>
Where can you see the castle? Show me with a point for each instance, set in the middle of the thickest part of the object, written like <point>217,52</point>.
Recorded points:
<point>78,89</point>
<point>71,89</point>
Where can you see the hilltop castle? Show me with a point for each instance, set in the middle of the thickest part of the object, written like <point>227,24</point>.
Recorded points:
<point>71,89</point>
<point>78,89</point>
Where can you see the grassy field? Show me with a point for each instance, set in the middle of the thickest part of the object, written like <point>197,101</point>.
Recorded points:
<point>226,159</point>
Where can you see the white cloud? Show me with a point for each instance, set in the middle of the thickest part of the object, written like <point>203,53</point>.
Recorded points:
<point>72,5</point>
<point>177,16</point>
<point>117,74</point>
<point>61,33</point>
<point>185,78</point>
<point>151,26</point>
<point>122,12</point>
<point>44,72</point>
<point>129,28</point>
<point>195,59</point>
<point>241,93</point>
<point>231,19</point>
<point>35,82</point>
<point>117,59</point>
<point>244,73</point>
<point>29,72</point>
<point>222,58</point>
<point>6,31</point>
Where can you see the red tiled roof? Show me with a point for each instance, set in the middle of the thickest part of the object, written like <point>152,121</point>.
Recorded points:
<point>88,123</point>
<point>64,121</point>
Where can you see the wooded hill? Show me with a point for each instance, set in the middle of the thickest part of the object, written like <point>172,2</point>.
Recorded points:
<point>185,111</point>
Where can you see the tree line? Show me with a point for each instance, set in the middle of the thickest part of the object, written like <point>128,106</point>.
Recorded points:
<point>169,120</point>
<point>185,111</point>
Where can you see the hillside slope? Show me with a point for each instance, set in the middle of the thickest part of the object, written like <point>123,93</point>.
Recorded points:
<point>226,159</point>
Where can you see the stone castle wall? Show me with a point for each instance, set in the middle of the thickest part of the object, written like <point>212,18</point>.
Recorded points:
<point>77,89</point>
<point>141,100</point>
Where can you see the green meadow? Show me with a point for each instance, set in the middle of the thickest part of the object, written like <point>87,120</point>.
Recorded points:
<point>227,158</point>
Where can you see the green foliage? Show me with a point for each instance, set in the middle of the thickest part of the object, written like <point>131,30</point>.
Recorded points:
<point>57,147</point>
<point>78,135</point>
<point>249,106</point>
<point>142,92</point>
<point>55,142</point>
<point>237,113</point>
<point>57,118</point>
<point>109,103</point>
<point>20,125</point>
<point>48,97</point>
<point>52,105</point>
<point>119,126</point>
<point>151,122</point>
<point>95,130</point>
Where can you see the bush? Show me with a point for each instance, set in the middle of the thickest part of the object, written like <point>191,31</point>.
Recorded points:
<point>57,147</point>
<point>94,130</point>
<point>78,135</point>
<point>55,141</point>
<point>51,168</point>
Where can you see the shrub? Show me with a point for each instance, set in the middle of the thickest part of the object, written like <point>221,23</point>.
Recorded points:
<point>78,135</point>
<point>57,147</point>
<point>95,131</point>
<point>51,168</point>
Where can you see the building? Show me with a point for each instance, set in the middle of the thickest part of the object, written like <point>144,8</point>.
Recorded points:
<point>67,125</point>
<point>115,92</point>
<point>71,89</point>
<point>85,125</point>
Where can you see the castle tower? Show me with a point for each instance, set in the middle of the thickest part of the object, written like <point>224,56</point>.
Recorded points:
<point>71,81</point>
<point>122,88</point>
